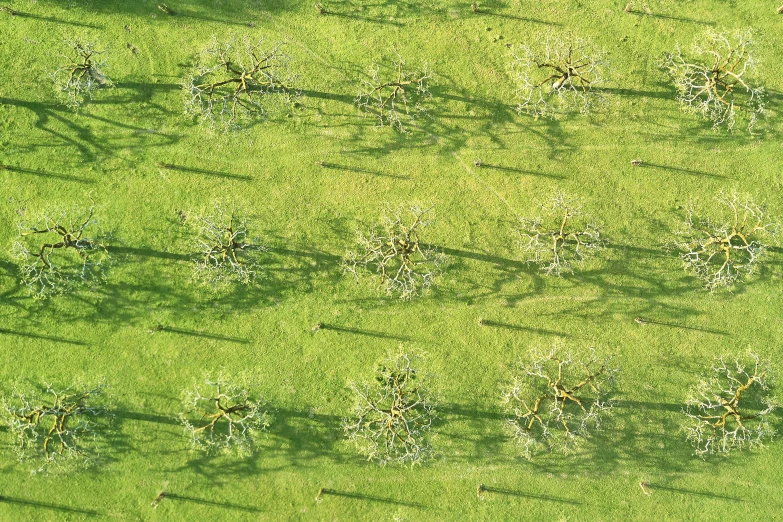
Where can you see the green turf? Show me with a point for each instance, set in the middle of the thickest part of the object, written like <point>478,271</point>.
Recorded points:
<point>308,215</point>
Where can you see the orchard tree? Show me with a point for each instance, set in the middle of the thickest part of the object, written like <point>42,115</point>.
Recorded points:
<point>81,73</point>
<point>238,80</point>
<point>226,253</point>
<point>395,94</point>
<point>713,80</point>
<point>66,253</point>
<point>561,237</point>
<point>224,414</point>
<point>57,427</point>
<point>391,418</point>
<point>730,408</point>
<point>557,400</point>
<point>394,251</point>
<point>559,74</point>
<point>723,245</point>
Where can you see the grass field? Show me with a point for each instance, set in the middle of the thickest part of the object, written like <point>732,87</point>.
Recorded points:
<point>307,215</point>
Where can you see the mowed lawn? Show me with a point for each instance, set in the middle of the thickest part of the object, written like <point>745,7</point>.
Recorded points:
<point>307,215</point>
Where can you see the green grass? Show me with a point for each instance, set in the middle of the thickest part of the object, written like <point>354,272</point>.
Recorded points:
<point>308,216</point>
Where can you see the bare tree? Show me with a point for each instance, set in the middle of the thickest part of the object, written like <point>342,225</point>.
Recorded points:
<point>395,94</point>
<point>723,246</point>
<point>227,254</point>
<point>224,414</point>
<point>66,254</point>
<point>238,80</point>
<point>558,75</point>
<point>394,250</point>
<point>391,419</point>
<point>714,81</point>
<point>562,237</point>
<point>729,410</point>
<point>557,400</point>
<point>58,427</point>
<point>81,74</point>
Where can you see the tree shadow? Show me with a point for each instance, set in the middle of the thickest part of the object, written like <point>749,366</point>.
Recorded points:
<point>50,506</point>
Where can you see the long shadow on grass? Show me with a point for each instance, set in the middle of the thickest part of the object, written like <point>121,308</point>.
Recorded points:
<point>362,332</point>
<point>530,496</point>
<point>212,503</point>
<point>323,492</point>
<point>43,174</point>
<point>35,504</point>
<point>643,14</point>
<point>31,335</point>
<point>194,170</point>
<point>50,19</point>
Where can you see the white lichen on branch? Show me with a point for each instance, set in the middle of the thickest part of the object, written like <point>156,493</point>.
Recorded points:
<point>81,74</point>
<point>729,410</point>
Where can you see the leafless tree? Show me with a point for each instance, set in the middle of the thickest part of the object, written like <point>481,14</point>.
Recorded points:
<point>714,83</point>
<point>224,414</point>
<point>238,80</point>
<point>391,418</point>
<point>394,250</point>
<point>58,427</point>
<point>395,94</point>
<point>66,255</point>
<point>561,237</point>
<point>558,75</point>
<point>81,74</point>
<point>556,400</point>
<point>723,246</point>
<point>729,409</point>
<point>227,254</point>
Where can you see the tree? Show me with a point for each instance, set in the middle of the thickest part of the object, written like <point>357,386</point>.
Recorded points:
<point>391,419</point>
<point>66,255</point>
<point>722,247</point>
<point>226,253</point>
<point>395,94</point>
<point>224,414</point>
<point>561,237</point>
<point>81,74</point>
<point>713,82</point>
<point>395,252</point>
<point>58,427</point>
<point>729,409</point>
<point>559,75</point>
<point>556,401</point>
<point>236,81</point>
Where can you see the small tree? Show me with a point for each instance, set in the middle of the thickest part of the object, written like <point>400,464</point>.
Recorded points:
<point>723,246</point>
<point>713,83</point>
<point>224,415</point>
<point>57,427</point>
<point>556,400</point>
<point>559,75</point>
<point>729,410</point>
<point>236,81</point>
<point>395,252</point>
<point>395,94</point>
<point>66,254</point>
<point>391,419</point>
<point>81,74</point>
<point>226,253</point>
<point>561,237</point>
